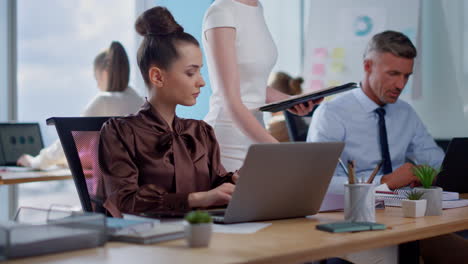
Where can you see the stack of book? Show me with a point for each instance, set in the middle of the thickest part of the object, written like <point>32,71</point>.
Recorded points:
<point>449,199</point>
<point>142,231</point>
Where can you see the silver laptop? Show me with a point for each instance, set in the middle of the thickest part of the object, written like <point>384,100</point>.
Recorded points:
<point>283,180</point>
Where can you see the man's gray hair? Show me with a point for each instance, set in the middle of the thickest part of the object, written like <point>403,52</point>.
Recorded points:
<point>393,42</point>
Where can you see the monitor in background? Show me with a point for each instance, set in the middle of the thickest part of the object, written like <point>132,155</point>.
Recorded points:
<point>17,139</point>
<point>453,176</point>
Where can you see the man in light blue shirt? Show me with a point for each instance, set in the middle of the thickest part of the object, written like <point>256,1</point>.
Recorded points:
<point>353,118</point>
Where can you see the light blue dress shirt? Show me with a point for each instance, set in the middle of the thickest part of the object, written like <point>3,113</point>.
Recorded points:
<point>350,117</point>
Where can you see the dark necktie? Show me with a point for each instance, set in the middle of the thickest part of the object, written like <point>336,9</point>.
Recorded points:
<point>387,162</point>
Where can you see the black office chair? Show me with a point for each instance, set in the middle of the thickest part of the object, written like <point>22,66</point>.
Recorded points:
<point>80,140</point>
<point>297,125</point>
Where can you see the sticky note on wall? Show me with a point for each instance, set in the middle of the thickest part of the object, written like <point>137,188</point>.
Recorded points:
<point>338,53</point>
<point>331,83</point>
<point>337,67</point>
<point>318,69</point>
<point>320,53</point>
<point>316,85</point>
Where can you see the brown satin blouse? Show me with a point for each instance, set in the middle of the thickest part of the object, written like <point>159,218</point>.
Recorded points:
<point>147,167</point>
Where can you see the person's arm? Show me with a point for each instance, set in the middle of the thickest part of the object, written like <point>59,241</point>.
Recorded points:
<point>96,107</point>
<point>120,174</point>
<point>222,182</point>
<point>117,156</point>
<point>422,148</point>
<point>49,156</point>
<point>326,126</point>
<point>401,177</point>
<point>218,174</point>
<point>221,47</point>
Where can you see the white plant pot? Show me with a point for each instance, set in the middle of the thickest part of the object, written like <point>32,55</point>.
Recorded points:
<point>433,196</point>
<point>413,208</point>
<point>198,235</point>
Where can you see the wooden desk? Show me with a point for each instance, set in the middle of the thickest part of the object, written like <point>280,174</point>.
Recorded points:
<point>285,241</point>
<point>7,177</point>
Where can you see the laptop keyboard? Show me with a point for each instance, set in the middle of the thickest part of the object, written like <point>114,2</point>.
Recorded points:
<point>217,215</point>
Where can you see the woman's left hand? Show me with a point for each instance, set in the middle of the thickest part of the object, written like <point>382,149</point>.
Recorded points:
<point>305,108</point>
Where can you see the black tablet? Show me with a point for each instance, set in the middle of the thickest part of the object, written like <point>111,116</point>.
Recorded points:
<point>298,99</point>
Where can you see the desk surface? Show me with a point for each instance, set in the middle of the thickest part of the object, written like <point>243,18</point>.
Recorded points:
<point>7,177</point>
<point>285,241</point>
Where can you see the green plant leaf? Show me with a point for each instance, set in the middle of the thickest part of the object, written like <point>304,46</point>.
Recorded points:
<point>425,174</point>
<point>414,195</point>
<point>198,217</point>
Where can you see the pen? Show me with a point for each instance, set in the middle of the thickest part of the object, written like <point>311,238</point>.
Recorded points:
<point>412,161</point>
<point>343,166</point>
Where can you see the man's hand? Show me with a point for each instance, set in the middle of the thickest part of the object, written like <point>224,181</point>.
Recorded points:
<point>402,176</point>
<point>235,176</point>
<point>304,108</point>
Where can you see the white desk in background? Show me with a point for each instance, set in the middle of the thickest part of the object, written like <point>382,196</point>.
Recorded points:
<point>9,189</point>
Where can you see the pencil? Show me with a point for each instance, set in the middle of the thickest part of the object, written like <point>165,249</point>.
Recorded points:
<point>372,176</point>
<point>350,172</point>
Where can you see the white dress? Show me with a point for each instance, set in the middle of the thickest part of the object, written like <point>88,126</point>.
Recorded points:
<point>256,56</point>
<point>103,104</point>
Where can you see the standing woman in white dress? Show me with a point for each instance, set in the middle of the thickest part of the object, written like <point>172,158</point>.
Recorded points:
<point>115,98</point>
<point>240,54</point>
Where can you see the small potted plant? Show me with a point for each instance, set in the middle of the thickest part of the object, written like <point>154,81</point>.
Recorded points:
<point>413,205</point>
<point>426,175</point>
<point>198,229</point>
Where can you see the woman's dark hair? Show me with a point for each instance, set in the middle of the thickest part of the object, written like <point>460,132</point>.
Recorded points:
<point>114,60</point>
<point>160,34</point>
<point>284,83</point>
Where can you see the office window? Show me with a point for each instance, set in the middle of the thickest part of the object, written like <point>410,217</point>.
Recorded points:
<point>57,43</point>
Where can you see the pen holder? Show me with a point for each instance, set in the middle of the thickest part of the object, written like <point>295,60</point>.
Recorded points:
<point>359,202</point>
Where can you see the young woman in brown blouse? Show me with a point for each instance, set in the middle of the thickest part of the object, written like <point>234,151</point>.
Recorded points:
<point>154,161</point>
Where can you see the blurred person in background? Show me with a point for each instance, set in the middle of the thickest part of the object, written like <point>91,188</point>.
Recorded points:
<point>115,98</point>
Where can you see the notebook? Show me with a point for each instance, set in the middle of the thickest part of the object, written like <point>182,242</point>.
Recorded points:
<point>158,233</point>
<point>121,226</point>
<point>302,98</point>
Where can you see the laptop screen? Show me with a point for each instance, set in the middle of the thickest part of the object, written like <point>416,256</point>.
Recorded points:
<point>17,139</point>
<point>454,167</point>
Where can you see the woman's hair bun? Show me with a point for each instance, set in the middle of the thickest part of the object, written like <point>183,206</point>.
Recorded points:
<point>157,21</point>
<point>295,85</point>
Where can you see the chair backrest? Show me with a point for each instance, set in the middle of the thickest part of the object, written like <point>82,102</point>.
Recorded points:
<point>443,143</point>
<point>79,137</point>
<point>298,126</point>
